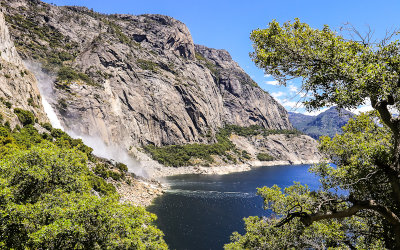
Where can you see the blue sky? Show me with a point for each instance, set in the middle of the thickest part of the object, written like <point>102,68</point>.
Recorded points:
<point>227,24</point>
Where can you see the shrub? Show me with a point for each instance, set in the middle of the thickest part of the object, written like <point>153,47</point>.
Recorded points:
<point>101,186</point>
<point>47,126</point>
<point>265,157</point>
<point>69,74</point>
<point>24,116</point>
<point>101,171</point>
<point>8,104</point>
<point>246,155</point>
<point>30,102</point>
<point>147,65</point>
<point>122,167</point>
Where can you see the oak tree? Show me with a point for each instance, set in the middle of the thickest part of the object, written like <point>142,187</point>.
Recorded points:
<point>358,205</point>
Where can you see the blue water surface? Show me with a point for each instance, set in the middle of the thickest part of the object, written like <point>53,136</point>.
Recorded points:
<point>202,211</point>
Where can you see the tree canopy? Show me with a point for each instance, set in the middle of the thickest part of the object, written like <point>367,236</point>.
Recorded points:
<point>358,204</point>
<point>50,199</point>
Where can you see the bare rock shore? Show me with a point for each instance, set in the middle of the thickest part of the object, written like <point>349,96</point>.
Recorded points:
<point>140,192</point>
<point>162,171</point>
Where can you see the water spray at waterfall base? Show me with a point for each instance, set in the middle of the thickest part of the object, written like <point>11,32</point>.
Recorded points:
<point>100,148</point>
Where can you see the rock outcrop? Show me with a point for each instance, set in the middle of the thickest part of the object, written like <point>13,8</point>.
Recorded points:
<point>293,149</point>
<point>146,80</point>
<point>18,86</point>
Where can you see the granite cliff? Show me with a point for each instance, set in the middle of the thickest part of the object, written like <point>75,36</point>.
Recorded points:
<point>137,80</point>
<point>18,85</point>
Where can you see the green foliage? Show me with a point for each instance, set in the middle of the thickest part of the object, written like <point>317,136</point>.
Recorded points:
<point>117,31</point>
<point>246,155</point>
<point>257,130</point>
<point>358,153</point>
<point>68,74</point>
<point>8,104</point>
<point>263,232</point>
<point>103,171</point>
<point>43,169</point>
<point>59,49</point>
<point>63,140</point>
<point>72,221</point>
<point>122,167</point>
<point>357,206</point>
<point>24,116</point>
<point>46,199</point>
<point>46,203</point>
<point>200,57</point>
<point>335,70</point>
<point>215,70</point>
<point>47,126</point>
<point>30,102</point>
<point>180,155</point>
<point>265,157</point>
<point>147,65</point>
<point>100,185</point>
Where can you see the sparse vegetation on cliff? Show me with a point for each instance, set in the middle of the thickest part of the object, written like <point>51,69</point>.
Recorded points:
<point>25,117</point>
<point>258,130</point>
<point>183,155</point>
<point>264,157</point>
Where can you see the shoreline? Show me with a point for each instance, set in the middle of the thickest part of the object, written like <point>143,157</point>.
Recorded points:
<point>160,172</point>
<point>147,189</point>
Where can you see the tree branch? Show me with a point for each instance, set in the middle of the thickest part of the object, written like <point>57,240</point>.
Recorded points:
<point>392,176</point>
<point>387,118</point>
<point>308,219</point>
<point>391,217</point>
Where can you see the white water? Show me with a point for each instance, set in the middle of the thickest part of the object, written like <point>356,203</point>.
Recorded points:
<point>100,148</point>
<point>45,83</point>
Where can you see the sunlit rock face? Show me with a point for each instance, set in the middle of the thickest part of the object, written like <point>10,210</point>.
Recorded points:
<point>18,86</point>
<point>149,83</point>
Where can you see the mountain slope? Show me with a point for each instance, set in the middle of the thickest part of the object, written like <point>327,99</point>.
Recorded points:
<point>138,79</point>
<point>18,86</point>
<point>124,82</point>
<point>329,122</point>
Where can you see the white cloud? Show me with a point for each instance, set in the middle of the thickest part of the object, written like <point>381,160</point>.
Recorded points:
<point>287,103</point>
<point>267,75</point>
<point>290,104</point>
<point>275,83</point>
<point>278,94</point>
<point>361,109</point>
<point>293,88</point>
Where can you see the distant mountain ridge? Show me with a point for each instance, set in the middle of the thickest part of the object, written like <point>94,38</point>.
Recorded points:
<point>329,122</point>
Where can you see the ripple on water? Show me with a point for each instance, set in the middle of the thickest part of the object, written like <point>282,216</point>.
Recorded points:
<point>211,193</point>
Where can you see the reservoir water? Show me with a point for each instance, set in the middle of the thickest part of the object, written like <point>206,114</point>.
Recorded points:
<point>202,211</point>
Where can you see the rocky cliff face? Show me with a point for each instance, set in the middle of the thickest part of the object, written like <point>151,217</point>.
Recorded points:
<point>18,86</point>
<point>137,79</point>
